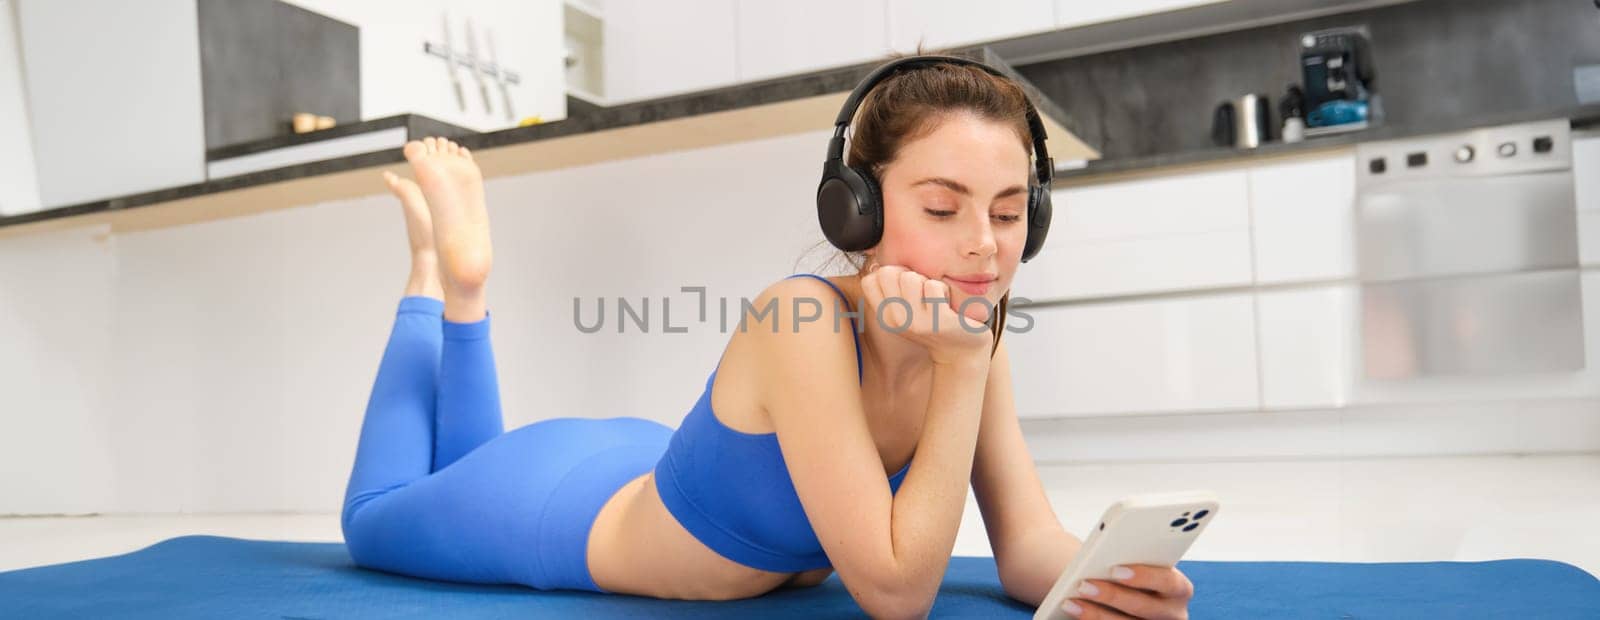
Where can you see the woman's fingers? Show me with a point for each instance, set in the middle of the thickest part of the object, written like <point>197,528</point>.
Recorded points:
<point>1133,602</point>
<point>911,304</point>
<point>888,277</point>
<point>872,289</point>
<point>1164,580</point>
<point>936,293</point>
<point>1096,611</point>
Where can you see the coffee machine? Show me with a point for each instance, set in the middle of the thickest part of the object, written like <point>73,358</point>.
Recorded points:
<point>1339,80</point>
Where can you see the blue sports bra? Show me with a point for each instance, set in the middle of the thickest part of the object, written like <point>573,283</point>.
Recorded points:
<point>732,491</point>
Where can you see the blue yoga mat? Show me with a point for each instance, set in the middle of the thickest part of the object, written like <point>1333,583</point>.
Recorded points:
<point>216,577</point>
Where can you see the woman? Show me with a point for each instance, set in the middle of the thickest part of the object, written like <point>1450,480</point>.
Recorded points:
<point>797,460</point>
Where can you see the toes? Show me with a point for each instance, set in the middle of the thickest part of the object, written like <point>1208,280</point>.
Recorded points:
<point>466,153</point>
<point>434,146</point>
<point>415,149</point>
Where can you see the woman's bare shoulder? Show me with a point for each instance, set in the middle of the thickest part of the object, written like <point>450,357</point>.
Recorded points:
<point>791,325</point>
<point>770,344</point>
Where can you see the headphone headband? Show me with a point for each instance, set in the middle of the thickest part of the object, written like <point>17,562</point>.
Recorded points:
<point>1044,167</point>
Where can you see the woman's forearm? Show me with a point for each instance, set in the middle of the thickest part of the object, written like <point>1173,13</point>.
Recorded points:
<point>926,512</point>
<point>1031,568</point>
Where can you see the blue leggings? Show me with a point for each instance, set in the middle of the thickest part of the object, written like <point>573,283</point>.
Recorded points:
<point>439,491</point>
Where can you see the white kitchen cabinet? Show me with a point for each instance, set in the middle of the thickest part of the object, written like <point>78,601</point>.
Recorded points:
<point>1303,214</point>
<point>782,38</point>
<point>654,49</point>
<point>1586,175</point>
<point>1173,233</point>
<point>937,24</point>
<point>1307,337</point>
<point>1171,355</point>
<point>398,77</point>
<point>113,90</point>
<point>1073,13</point>
<point>19,185</point>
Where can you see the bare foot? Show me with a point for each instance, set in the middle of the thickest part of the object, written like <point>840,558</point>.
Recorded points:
<point>453,189</point>
<point>419,224</point>
<point>424,278</point>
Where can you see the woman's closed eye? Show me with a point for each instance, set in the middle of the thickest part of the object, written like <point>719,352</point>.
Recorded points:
<point>941,214</point>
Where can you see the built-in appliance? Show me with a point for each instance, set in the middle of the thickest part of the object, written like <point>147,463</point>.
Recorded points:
<point>1468,254</point>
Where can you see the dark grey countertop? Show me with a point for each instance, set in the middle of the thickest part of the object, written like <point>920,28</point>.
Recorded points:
<point>590,120</point>
<point>1581,116</point>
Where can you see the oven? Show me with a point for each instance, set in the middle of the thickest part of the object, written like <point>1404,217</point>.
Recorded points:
<point>1467,253</point>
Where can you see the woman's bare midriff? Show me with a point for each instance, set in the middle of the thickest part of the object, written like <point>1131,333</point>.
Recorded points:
<point>637,547</point>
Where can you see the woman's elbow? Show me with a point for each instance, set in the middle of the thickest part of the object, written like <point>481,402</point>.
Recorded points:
<point>896,604</point>
<point>899,611</point>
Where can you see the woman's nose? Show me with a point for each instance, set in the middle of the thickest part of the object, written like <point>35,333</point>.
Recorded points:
<point>981,242</point>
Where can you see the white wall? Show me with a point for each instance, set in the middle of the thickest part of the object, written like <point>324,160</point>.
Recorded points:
<point>19,187</point>
<point>398,78</point>
<point>56,309</point>
<point>121,115</point>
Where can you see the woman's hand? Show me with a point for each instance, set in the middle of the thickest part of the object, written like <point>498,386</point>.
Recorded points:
<point>1156,592</point>
<point>909,304</point>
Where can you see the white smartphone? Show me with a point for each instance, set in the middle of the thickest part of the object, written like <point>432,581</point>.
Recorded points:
<point>1154,529</point>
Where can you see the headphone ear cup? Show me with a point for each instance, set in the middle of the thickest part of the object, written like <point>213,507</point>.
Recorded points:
<point>1039,213</point>
<point>848,206</point>
<point>874,201</point>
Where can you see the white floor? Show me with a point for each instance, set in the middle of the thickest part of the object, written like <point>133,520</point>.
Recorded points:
<point>1377,510</point>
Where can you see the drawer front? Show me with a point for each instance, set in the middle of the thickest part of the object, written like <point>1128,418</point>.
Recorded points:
<point>1176,233</point>
<point>1189,354</point>
<point>1303,214</point>
<point>1307,339</point>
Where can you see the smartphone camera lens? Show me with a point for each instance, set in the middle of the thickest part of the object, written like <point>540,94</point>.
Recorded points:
<point>1178,522</point>
<point>1192,526</point>
<point>1201,515</point>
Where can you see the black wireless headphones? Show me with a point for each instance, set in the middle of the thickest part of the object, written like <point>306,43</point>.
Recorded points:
<point>849,202</point>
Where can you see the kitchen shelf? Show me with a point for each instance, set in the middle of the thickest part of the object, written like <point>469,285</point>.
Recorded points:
<point>585,8</point>
<point>584,40</point>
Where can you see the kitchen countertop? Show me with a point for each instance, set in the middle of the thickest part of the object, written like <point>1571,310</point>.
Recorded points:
<point>737,113</point>
<point>1097,171</point>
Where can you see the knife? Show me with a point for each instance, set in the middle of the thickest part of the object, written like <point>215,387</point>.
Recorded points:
<point>450,62</point>
<point>500,74</point>
<point>477,66</point>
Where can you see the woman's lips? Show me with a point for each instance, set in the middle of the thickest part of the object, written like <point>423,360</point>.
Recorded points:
<point>971,288</point>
